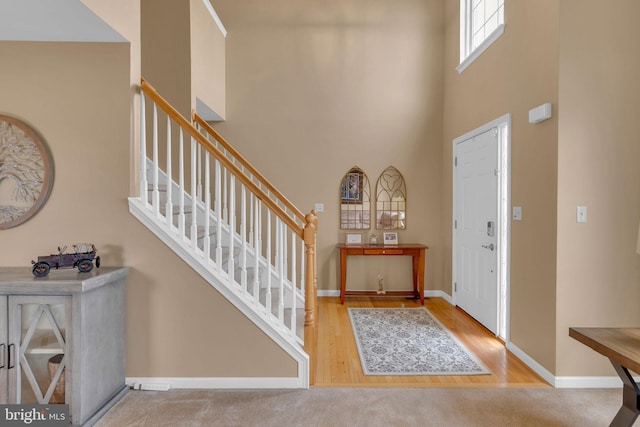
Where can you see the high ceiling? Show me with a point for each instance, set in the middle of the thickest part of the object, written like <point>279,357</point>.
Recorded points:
<point>46,20</point>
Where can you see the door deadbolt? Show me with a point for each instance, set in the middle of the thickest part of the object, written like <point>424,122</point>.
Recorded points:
<point>491,229</point>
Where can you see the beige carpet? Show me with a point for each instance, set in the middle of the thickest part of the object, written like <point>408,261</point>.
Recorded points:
<point>368,407</point>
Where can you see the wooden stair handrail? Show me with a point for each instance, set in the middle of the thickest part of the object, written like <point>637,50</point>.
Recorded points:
<point>199,120</point>
<point>219,155</point>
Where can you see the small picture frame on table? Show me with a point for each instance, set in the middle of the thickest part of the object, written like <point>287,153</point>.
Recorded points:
<point>353,238</point>
<point>390,238</point>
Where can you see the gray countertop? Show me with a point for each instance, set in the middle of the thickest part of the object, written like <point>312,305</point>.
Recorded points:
<point>20,280</point>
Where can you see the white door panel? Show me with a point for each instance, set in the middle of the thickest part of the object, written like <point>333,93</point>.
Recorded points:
<point>476,196</point>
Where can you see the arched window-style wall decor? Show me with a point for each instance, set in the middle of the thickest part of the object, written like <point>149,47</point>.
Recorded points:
<point>26,172</point>
<point>355,201</point>
<point>391,200</point>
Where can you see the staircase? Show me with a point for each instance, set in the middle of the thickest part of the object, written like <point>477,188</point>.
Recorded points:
<point>222,217</point>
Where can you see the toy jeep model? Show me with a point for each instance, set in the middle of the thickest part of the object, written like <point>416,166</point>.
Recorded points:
<point>83,258</point>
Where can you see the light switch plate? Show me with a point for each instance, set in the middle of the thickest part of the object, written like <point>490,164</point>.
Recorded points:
<point>319,207</point>
<point>517,213</point>
<point>581,214</point>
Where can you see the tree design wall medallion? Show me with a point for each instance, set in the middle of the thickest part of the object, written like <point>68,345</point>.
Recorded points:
<point>26,172</point>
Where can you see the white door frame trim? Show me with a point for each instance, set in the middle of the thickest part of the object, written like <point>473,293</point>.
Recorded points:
<point>503,124</point>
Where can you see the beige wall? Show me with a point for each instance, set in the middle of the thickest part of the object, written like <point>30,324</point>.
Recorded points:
<point>183,54</point>
<point>598,152</point>
<point>515,74</point>
<point>314,88</point>
<point>321,88</point>
<point>77,97</point>
<point>124,17</point>
<point>166,50</point>
<point>207,59</point>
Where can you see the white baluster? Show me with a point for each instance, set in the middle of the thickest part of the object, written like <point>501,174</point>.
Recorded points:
<point>257,245</point>
<point>199,172</point>
<point>225,207</point>
<point>168,208</point>
<point>232,226</point>
<point>156,194</point>
<point>268,296</point>
<point>243,237</point>
<point>281,249</point>
<point>251,216</point>
<point>181,218</point>
<point>194,224</point>
<point>285,252</point>
<point>218,217</point>
<point>293,284</point>
<point>207,207</point>
<point>144,183</point>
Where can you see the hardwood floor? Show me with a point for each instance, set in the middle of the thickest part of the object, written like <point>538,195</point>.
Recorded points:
<point>339,363</point>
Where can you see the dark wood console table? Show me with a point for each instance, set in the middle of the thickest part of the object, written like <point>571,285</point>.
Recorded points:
<point>414,250</point>
<point>622,347</point>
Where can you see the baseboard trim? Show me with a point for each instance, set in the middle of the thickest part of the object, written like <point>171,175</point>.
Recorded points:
<point>219,383</point>
<point>565,382</point>
<point>105,408</point>
<point>531,363</point>
<point>325,293</point>
<point>439,294</point>
<point>588,382</point>
<point>427,293</point>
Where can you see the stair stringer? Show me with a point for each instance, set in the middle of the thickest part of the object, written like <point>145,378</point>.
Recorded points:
<point>200,209</point>
<point>208,271</point>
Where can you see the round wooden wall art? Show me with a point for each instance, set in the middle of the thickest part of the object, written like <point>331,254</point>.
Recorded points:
<point>26,172</point>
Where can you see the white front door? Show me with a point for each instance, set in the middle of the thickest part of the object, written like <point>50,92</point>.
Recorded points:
<point>476,233</point>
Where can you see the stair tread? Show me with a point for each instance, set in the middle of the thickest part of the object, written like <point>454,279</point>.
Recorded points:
<point>176,209</point>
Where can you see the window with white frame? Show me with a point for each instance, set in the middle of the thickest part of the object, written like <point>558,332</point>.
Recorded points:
<point>481,23</point>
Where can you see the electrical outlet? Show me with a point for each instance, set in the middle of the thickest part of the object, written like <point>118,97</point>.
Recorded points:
<point>152,386</point>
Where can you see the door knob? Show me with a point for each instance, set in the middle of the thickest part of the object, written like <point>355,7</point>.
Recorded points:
<point>490,246</point>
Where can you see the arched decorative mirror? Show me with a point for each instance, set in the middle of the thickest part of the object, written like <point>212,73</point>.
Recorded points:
<point>355,200</point>
<point>391,200</point>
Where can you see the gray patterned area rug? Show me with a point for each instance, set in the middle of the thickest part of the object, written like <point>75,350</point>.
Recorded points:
<point>409,341</point>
